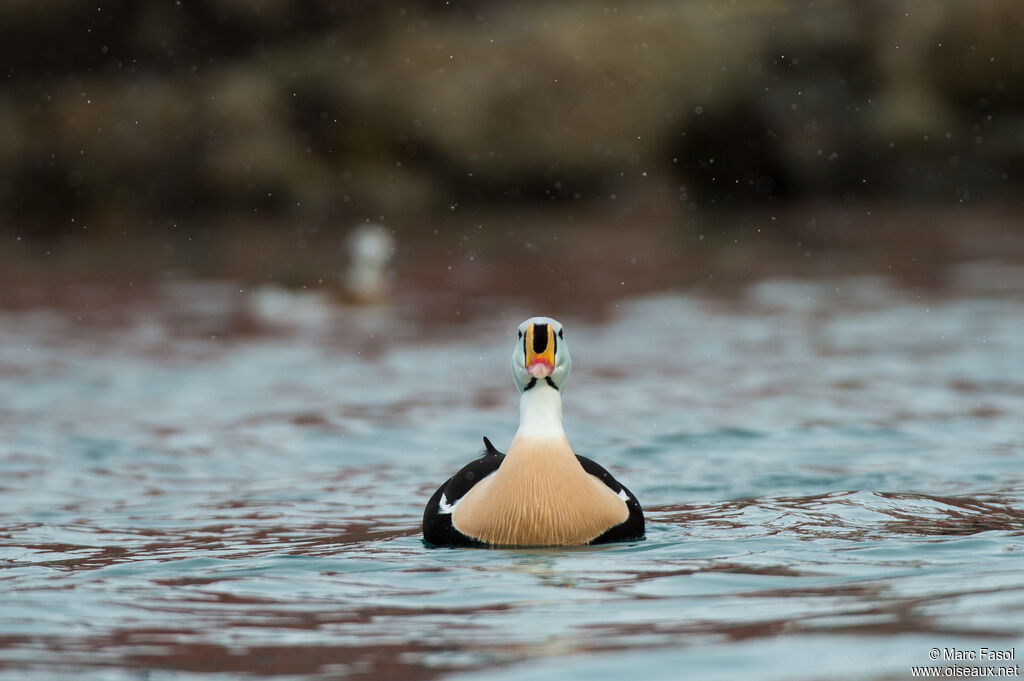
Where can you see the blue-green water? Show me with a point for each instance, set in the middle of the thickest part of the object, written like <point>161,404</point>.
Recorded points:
<point>833,474</point>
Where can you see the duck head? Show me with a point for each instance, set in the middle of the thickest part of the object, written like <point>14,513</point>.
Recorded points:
<point>541,355</point>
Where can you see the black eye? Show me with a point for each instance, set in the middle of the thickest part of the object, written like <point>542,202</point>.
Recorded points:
<point>520,334</point>
<point>560,333</point>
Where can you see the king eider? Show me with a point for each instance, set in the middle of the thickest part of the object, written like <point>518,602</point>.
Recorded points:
<point>541,493</point>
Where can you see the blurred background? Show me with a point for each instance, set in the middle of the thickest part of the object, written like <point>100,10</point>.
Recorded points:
<point>583,148</point>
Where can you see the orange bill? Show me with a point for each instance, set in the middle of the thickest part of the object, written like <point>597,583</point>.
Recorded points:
<point>540,350</point>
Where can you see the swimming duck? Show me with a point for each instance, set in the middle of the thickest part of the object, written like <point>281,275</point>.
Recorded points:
<point>541,493</point>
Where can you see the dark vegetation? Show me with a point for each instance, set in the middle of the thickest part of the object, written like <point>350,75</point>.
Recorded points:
<point>155,119</point>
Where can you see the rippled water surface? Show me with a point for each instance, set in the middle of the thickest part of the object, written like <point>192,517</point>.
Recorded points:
<point>209,482</point>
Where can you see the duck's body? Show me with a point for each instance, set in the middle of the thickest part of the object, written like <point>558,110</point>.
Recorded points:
<point>541,493</point>
<point>518,528</point>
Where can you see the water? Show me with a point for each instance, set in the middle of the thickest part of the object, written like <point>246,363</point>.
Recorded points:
<point>213,483</point>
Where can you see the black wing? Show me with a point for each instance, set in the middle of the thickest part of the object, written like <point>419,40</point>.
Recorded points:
<point>437,524</point>
<point>632,528</point>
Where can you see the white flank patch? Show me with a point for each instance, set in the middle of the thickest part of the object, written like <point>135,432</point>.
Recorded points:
<point>443,507</point>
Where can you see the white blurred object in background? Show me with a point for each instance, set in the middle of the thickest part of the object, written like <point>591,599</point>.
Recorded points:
<point>368,279</point>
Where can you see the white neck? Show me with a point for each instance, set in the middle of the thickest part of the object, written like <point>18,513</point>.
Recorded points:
<point>540,413</point>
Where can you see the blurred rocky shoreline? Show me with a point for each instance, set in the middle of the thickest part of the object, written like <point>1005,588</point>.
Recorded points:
<point>242,138</point>
<point>354,110</point>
